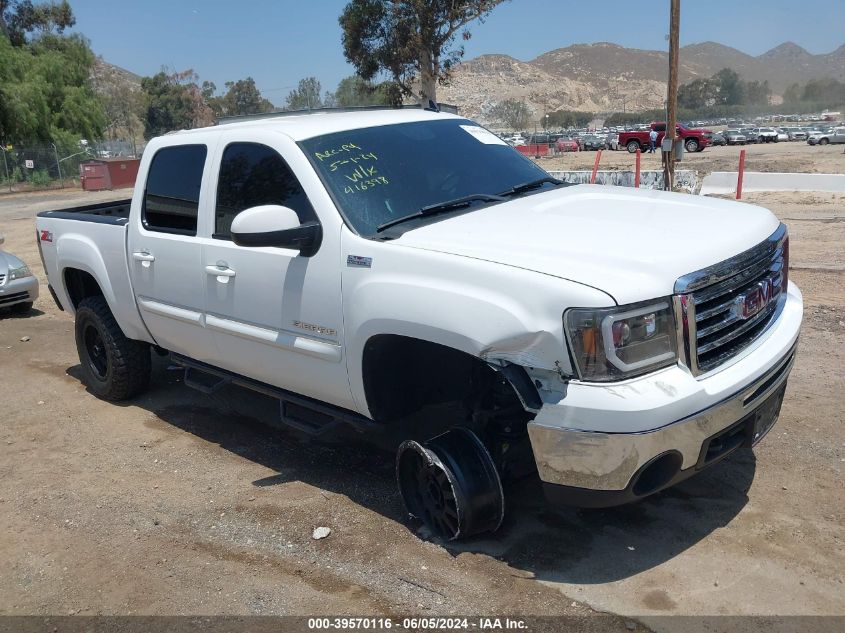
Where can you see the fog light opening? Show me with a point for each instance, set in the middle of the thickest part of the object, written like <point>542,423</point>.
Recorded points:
<point>657,473</point>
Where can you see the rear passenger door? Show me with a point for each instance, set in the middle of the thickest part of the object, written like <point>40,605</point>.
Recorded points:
<point>276,316</point>
<point>165,252</point>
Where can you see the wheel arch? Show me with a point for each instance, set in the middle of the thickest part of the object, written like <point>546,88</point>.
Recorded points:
<point>401,374</point>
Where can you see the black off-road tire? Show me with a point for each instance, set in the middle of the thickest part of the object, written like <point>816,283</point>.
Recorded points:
<point>114,367</point>
<point>21,308</point>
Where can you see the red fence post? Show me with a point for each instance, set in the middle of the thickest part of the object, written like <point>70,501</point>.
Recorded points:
<point>740,173</point>
<point>637,171</point>
<point>595,167</point>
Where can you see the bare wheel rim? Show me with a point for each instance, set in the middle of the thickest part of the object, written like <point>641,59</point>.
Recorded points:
<point>451,484</point>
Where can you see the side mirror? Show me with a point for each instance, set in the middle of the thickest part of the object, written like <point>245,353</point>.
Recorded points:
<point>275,225</point>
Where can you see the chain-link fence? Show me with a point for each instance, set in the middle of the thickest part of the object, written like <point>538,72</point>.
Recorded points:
<point>40,165</point>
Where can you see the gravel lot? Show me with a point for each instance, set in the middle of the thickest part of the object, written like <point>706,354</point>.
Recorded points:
<point>178,503</point>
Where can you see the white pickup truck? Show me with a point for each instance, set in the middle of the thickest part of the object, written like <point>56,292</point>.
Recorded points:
<point>409,273</point>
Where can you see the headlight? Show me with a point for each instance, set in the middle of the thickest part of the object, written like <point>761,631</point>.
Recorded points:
<point>19,273</point>
<point>616,343</point>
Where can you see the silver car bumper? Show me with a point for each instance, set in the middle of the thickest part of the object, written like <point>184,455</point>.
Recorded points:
<point>600,469</point>
<point>18,291</point>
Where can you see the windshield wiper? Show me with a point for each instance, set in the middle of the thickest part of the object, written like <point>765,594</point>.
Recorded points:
<point>531,184</point>
<point>441,207</point>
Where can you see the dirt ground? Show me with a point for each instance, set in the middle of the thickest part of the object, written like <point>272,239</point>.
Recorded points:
<point>179,503</point>
<point>794,156</point>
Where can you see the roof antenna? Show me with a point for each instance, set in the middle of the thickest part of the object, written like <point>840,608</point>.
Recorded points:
<point>432,106</point>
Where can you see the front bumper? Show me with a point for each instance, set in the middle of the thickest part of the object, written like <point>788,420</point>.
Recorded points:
<point>18,291</point>
<point>596,447</point>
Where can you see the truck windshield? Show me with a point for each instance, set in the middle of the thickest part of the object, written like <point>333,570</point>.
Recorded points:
<point>380,174</point>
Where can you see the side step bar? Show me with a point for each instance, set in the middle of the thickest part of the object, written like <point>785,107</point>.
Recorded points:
<point>300,412</point>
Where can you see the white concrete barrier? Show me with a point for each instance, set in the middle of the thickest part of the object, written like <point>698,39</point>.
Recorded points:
<point>685,179</point>
<point>725,182</point>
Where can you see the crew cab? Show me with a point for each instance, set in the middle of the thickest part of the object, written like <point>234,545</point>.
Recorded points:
<point>695,140</point>
<point>408,273</point>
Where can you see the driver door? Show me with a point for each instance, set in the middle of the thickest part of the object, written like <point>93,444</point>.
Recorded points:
<point>276,316</point>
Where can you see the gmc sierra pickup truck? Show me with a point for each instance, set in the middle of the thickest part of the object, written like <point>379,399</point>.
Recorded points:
<point>695,140</point>
<point>409,274</point>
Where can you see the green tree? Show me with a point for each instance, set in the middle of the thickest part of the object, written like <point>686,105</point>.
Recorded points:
<point>757,93</point>
<point>698,93</point>
<point>45,88</point>
<point>242,97</point>
<point>828,90</point>
<point>792,94</point>
<point>306,96</point>
<point>513,113</point>
<point>354,91</point>
<point>730,87</point>
<point>570,118</point>
<point>174,102</point>
<point>20,18</point>
<point>409,40</point>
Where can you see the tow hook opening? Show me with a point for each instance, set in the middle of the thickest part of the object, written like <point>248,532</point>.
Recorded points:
<point>657,473</point>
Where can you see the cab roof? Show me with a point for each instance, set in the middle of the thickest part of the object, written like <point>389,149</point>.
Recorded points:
<point>305,125</point>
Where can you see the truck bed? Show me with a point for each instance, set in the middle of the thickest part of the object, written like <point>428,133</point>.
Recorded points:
<point>116,212</point>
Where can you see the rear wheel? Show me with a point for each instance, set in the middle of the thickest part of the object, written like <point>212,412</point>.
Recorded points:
<point>114,367</point>
<point>451,484</point>
<point>633,146</point>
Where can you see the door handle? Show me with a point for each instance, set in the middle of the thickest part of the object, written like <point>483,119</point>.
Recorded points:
<point>143,256</point>
<point>219,271</point>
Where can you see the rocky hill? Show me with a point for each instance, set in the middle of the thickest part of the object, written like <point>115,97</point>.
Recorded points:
<point>604,77</point>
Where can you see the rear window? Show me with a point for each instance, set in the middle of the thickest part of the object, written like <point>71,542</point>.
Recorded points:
<point>172,194</point>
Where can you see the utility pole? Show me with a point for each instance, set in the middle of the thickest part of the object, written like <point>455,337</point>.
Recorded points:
<point>672,93</point>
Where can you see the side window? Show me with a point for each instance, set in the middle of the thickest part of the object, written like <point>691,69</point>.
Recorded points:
<point>660,127</point>
<point>251,175</point>
<point>171,197</point>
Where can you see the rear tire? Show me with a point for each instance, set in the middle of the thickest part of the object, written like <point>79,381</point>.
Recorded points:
<point>633,146</point>
<point>114,367</point>
<point>21,308</point>
<point>451,484</point>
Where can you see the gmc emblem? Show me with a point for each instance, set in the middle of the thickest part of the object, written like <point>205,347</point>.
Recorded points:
<point>752,301</point>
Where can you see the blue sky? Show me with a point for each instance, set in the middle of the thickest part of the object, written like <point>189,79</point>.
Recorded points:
<point>279,42</point>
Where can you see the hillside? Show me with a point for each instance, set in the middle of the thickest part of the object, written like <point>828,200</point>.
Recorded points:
<point>604,76</point>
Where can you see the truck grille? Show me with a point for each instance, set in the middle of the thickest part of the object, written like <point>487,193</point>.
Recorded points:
<point>724,308</point>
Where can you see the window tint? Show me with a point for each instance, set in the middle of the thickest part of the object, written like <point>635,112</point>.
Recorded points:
<point>171,199</point>
<point>251,175</point>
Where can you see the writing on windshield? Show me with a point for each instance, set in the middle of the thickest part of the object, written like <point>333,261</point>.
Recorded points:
<point>358,167</point>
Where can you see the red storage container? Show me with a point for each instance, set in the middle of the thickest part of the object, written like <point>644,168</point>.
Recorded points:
<point>94,175</point>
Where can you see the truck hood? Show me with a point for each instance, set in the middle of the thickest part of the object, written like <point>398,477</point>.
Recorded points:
<point>632,244</point>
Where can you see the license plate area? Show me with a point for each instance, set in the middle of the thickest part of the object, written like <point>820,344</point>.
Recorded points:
<point>763,418</point>
<point>746,432</point>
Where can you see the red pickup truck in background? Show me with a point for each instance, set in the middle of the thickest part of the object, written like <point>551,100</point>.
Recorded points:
<point>694,140</point>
